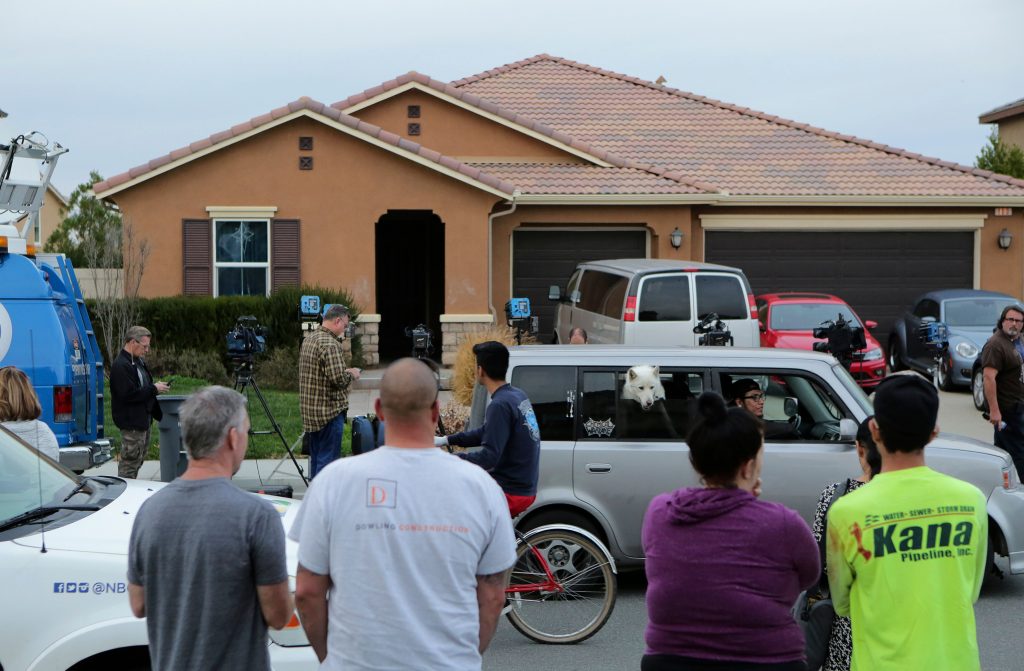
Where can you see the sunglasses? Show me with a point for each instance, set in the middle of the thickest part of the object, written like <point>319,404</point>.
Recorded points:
<point>754,397</point>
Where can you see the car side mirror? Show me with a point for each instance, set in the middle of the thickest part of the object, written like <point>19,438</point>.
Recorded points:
<point>871,324</point>
<point>554,293</point>
<point>847,429</point>
<point>790,406</point>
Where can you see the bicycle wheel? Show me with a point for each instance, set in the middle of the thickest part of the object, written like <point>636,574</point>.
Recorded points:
<point>586,590</point>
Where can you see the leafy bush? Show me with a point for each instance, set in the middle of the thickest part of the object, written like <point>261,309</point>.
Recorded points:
<point>170,362</point>
<point>279,369</point>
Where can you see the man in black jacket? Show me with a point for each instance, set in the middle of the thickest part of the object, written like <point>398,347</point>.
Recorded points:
<point>133,400</point>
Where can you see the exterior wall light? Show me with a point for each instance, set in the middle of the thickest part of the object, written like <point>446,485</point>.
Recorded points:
<point>676,238</point>
<point>1005,238</point>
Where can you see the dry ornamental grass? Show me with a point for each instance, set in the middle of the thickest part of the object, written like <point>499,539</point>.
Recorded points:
<point>464,370</point>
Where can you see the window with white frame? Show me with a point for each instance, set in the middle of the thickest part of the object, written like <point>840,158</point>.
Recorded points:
<point>241,257</point>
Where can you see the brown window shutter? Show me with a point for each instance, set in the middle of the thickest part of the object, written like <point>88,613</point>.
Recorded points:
<point>284,253</point>
<point>197,257</point>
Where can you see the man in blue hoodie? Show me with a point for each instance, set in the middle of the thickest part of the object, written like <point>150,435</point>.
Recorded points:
<point>509,438</point>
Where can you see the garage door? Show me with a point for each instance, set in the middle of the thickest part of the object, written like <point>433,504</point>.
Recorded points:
<point>541,258</point>
<point>879,274</point>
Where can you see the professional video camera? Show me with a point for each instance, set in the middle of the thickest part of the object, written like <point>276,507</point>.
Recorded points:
<point>422,341</point>
<point>519,316</point>
<point>842,339</point>
<point>715,332</point>
<point>934,336</point>
<point>247,339</point>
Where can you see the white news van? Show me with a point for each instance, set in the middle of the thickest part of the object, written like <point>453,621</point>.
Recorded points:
<point>64,562</point>
<point>654,302</point>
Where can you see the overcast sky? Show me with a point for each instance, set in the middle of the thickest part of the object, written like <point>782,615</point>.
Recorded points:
<point>120,82</point>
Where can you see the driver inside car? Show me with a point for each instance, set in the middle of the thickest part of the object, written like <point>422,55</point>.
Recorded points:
<point>747,394</point>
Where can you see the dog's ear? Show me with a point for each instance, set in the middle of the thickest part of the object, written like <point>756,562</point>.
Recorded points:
<point>656,369</point>
<point>631,374</point>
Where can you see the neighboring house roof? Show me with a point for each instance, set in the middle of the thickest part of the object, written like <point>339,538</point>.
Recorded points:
<point>1003,112</point>
<point>304,107</point>
<point>741,151</point>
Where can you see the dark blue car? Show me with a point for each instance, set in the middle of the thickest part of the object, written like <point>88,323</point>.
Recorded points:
<point>971,316</point>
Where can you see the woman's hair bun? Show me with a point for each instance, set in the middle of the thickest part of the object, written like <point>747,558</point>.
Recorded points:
<point>712,407</point>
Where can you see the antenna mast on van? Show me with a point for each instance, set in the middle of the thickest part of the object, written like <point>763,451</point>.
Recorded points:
<point>21,193</point>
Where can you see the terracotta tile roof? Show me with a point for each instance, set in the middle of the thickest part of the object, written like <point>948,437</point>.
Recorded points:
<point>520,120</point>
<point>304,103</point>
<point>1003,112</point>
<point>741,151</point>
<point>581,179</point>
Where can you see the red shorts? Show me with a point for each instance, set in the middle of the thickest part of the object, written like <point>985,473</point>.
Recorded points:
<point>517,504</point>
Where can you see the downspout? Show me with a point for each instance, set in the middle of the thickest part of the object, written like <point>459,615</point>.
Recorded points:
<point>490,253</point>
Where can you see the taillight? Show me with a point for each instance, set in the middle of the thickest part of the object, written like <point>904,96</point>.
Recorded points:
<point>62,404</point>
<point>630,313</point>
<point>753,306</point>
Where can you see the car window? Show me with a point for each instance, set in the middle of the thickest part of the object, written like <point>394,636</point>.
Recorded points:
<point>612,406</point>
<point>927,308</point>
<point>665,298</point>
<point>596,289</point>
<point>808,316</point>
<point>27,479</point>
<point>552,392</point>
<point>974,311</point>
<point>816,410</point>
<point>723,295</point>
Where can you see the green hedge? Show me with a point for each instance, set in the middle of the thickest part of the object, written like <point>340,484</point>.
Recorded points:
<point>201,323</point>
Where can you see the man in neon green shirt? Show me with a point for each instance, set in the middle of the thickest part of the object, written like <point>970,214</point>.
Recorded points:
<point>906,552</point>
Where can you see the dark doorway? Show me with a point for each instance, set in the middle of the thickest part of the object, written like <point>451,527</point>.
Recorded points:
<point>410,278</point>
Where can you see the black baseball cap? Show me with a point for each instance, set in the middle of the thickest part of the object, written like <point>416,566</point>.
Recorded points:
<point>906,405</point>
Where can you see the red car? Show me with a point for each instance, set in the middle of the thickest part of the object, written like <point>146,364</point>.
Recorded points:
<point>787,319</point>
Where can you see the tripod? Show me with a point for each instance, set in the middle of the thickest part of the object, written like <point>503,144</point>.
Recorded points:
<point>244,377</point>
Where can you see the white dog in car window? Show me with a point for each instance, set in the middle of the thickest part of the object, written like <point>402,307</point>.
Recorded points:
<point>643,385</point>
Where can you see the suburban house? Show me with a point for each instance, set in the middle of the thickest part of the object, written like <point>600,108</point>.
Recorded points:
<point>1009,119</point>
<point>436,202</point>
<point>51,214</point>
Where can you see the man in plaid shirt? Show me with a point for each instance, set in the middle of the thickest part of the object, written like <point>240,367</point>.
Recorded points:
<point>323,388</point>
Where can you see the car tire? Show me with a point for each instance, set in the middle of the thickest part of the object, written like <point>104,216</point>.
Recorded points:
<point>895,363</point>
<point>978,389</point>
<point>944,376</point>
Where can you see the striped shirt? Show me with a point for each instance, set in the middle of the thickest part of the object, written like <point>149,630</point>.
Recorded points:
<point>323,380</point>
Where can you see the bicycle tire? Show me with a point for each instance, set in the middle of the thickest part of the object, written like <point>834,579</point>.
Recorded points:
<point>589,589</point>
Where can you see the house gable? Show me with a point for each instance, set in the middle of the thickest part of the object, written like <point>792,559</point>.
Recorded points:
<point>463,132</point>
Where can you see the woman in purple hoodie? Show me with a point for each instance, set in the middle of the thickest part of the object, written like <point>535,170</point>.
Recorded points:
<point>724,568</point>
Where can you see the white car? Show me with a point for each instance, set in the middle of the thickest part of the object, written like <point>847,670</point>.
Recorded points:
<point>64,559</point>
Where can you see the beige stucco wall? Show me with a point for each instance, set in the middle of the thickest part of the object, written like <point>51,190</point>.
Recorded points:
<point>352,185</point>
<point>456,132</point>
<point>1011,131</point>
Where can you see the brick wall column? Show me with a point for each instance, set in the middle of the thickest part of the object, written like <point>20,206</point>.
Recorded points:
<point>368,332</point>
<point>454,329</point>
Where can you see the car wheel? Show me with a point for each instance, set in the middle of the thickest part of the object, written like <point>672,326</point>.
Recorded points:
<point>944,379</point>
<point>895,363</point>
<point>978,389</point>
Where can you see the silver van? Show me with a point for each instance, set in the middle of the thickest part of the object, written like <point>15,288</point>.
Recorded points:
<point>654,302</point>
<point>603,458</point>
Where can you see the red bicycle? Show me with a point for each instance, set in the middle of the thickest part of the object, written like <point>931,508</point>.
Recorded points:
<point>562,589</point>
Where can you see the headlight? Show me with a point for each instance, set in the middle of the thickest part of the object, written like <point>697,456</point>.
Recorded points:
<point>966,349</point>
<point>873,354</point>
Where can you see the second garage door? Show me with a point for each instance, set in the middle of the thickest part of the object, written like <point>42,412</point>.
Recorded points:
<point>879,274</point>
<point>542,257</point>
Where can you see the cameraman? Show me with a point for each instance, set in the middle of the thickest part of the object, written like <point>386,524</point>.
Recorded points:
<point>324,382</point>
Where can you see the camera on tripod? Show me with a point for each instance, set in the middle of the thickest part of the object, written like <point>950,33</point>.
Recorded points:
<point>934,336</point>
<point>715,331</point>
<point>519,317</point>
<point>246,340</point>
<point>842,338</point>
<point>422,341</point>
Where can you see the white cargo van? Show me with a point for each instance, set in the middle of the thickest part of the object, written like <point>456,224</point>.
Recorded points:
<point>654,302</point>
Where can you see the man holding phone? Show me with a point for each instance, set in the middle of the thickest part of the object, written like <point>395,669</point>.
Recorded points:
<point>133,400</point>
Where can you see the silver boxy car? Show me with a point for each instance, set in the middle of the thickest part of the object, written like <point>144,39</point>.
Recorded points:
<point>604,458</point>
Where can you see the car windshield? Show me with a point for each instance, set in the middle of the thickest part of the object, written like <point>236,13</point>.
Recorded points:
<point>29,479</point>
<point>855,389</point>
<point>807,316</point>
<point>974,311</point>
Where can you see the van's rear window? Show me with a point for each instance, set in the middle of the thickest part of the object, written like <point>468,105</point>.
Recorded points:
<point>723,295</point>
<point>665,299</point>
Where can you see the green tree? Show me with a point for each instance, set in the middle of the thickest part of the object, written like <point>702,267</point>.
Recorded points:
<point>91,233</point>
<point>998,156</point>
